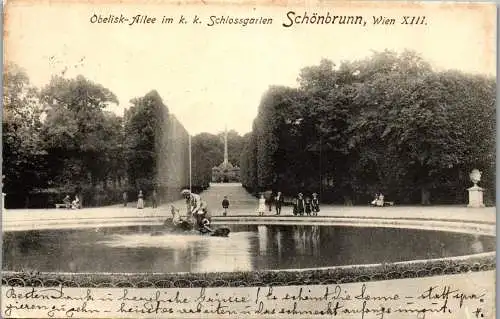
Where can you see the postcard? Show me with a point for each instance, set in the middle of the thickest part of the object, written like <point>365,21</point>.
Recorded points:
<point>206,159</point>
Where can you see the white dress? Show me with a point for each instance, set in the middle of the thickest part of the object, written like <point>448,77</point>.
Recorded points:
<point>262,206</point>
<point>140,202</point>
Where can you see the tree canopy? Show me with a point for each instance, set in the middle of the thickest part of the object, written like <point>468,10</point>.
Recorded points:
<point>61,139</point>
<point>388,123</point>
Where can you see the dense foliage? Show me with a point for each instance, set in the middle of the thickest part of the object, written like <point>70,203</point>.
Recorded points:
<point>388,123</point>
<point>61,140</point>
<point>156,147</point>
<point>23,155</point>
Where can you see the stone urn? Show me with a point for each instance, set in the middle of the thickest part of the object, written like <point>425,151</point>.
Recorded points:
<point>475,192</point>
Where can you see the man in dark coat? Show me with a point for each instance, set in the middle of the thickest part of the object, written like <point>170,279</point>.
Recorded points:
<point>278,202</point>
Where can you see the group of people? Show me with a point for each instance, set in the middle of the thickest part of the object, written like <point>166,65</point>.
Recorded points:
<point>308,206</point>
<point>72,204</point>
<point>301,206</point>
<point>379,201</point>
<point>265,204</point>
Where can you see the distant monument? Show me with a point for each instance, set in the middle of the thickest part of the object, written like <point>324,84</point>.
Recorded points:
<point>475,192</point>
<point>225,172</point>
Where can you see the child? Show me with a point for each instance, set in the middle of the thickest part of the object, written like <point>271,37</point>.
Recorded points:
<point>262,205</point>
<point>225,205</point>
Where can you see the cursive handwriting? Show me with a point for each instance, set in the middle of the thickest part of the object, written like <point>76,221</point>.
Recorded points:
<point>47,294</point>
<point>177,298</point>
<point>342,301</point>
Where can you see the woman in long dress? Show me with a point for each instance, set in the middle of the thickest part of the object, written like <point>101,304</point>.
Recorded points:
<point>315,204</point>
<point>262,205</point>
<point>140,200</point>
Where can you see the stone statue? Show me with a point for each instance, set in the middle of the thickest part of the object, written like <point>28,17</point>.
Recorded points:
<point>475,192</point>
<point>475,176</point>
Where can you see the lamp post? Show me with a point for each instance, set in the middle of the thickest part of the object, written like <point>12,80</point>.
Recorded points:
<point>320,164</point>
<point>3,195</point>
<point>190,163</point>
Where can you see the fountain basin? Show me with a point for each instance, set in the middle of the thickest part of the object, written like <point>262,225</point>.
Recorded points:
<point>252,254</point>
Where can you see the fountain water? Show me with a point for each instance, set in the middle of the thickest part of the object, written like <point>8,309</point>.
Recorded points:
<point>172,159</point>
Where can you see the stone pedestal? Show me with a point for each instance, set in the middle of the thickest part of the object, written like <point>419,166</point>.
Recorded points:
<point>475,197</point>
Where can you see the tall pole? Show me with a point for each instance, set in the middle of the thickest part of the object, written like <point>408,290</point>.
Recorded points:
<point>190,164</point>
<point>320,165</point>
<point>226,157</point>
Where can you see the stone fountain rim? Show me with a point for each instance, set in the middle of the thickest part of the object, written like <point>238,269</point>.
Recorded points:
<point>284,277</point>
<point>336,274</point>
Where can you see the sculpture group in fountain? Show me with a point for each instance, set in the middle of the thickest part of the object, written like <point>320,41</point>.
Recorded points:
<point>475,192</point>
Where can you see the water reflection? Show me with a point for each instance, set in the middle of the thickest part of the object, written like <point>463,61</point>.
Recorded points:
<point>279,244</point>
<point>262,236</point>
<point>133,249</point>
<point>226,255</point>
<point>307,240</point>
<point>477,246</point>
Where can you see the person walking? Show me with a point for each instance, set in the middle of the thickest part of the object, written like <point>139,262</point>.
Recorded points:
<point>154,199</point>
<point>262,205</point>
<point>125,199</point>
<point>140,200</point>
<point>225,205</point>
<point>278,202</point>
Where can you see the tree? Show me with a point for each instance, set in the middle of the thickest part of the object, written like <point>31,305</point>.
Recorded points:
<point>144,125</point>
<point>207,152</point>
<point>387,123</point>
<point>23,152</point>
<point>410,113</point>
<point>156,147</point>
<point>74,130</point>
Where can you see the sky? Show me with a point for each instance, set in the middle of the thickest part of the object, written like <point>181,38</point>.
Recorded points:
<point>210,77</point>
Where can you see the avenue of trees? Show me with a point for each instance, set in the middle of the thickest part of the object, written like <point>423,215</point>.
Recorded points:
<point>60,139</point>
<point>208,151</point>
<point>388,123</point>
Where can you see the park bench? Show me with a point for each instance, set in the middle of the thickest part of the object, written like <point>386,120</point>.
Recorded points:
<point>62,206</point>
